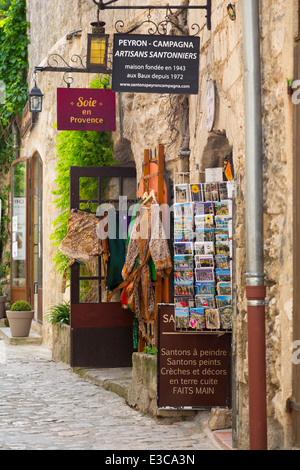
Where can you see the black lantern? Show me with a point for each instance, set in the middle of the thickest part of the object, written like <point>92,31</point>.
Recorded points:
<point>35,100</point>
<point>97,47</point>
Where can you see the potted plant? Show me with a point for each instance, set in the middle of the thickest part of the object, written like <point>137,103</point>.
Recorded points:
<point>2,303</point>
<point>20,317</point>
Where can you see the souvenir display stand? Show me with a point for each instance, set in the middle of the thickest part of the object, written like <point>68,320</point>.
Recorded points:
<point>194,333</point>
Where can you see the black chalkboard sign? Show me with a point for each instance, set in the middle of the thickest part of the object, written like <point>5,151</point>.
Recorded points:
<point>156,64</point>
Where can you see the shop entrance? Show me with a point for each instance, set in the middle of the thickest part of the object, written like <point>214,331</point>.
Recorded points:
<point>27,242</point>
<point>101,331</point>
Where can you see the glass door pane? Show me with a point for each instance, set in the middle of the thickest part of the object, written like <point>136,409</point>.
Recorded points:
<point>37,223</point>
<point>19,228</point>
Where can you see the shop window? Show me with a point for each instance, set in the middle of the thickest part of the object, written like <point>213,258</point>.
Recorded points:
<point>19,226</point>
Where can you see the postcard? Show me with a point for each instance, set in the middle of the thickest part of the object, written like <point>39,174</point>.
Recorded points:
<point>183,211</point>
<point>222,221</point>
<point>204,234</point>
<point>222,234</point>
<point>182,290</point>
<point>183,225</point>
<point>223,300</point>
<point>204,248</point>
<point>222,262</point>
<point>184,301</point>
<point>202,208</point>
<point>211,192</point>
<point>223,275</point>
<point>226,320</point>
<point>212,318</point>
<point>183,236</point>
<point>203,288</point>
<point>223,192</point>
<point>185,276</point>
<point>204,221</point>
<point>204,274</point>
<point>224,288</point>
<point>197,318</point>
<point>196,192</point>
<point>181,192</point>
<point>222,248</point>
<point>204,301</point>
<point>183,262</point>
<point>222,208</point>
<point>183,248</point>
<point>204,261</point>
<point>181,317</point>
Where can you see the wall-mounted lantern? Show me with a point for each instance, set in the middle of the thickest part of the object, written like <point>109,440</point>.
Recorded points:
<point>97,47</point>
<point>35,100</point>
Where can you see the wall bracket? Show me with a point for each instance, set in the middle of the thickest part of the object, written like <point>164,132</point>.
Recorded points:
<point>108,6</point>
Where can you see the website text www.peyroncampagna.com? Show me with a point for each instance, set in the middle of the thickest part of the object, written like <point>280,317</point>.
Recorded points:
<point>156,85</point>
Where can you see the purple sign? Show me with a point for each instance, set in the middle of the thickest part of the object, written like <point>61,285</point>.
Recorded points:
<point>85,109</point>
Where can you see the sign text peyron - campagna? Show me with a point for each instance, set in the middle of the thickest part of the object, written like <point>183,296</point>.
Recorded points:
<point>193,369</point>
<point>156,64</point>
<point>81,109</point>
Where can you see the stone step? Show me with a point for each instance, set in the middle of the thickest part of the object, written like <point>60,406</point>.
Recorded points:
<point>33,338</point>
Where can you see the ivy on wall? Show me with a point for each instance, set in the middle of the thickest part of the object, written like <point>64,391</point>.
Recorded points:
<point>77,148</point>
<point>13,89</point>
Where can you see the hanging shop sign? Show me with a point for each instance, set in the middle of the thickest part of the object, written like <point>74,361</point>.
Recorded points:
<point>193,369</point>
<point>156,64</point>
<point>80,109</point>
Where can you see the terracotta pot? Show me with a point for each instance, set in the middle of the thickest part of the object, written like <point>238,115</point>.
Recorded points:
<point>19,322</point>
<point>2,305</point>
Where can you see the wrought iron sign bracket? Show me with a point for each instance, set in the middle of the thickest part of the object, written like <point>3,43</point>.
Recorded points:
<point>108,6</point>
<point>56,59</point>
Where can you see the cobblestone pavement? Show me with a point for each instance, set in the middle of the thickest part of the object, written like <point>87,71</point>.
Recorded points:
<point>44,405</point>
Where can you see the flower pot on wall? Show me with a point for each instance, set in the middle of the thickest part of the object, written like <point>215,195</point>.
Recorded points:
<point>20,322</point>
<point>2,305</point>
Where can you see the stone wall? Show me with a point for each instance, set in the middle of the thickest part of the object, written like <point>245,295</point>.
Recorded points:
<point>222,61</point>
<point>142,394</point>
<point>61,343</point>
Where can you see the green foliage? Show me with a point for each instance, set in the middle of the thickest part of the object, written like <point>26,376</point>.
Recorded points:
<point>77,148</point>
<point>150,350</point>
<point>13,72</point>
<point>21,306</point>
<point>4,5</point>
<point>59,313</point>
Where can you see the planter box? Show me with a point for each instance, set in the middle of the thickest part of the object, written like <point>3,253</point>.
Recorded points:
<point>61,343</point>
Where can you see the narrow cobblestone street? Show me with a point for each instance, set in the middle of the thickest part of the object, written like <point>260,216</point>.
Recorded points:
<point>44,405</point>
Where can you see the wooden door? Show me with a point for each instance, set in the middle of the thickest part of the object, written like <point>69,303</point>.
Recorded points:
<point>20,288</point>
<point>101,332</point>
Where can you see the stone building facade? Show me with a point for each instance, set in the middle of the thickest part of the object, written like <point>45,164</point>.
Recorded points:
<point>179,122</point>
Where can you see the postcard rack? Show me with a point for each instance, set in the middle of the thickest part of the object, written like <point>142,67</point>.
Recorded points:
<point>203,254</point>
